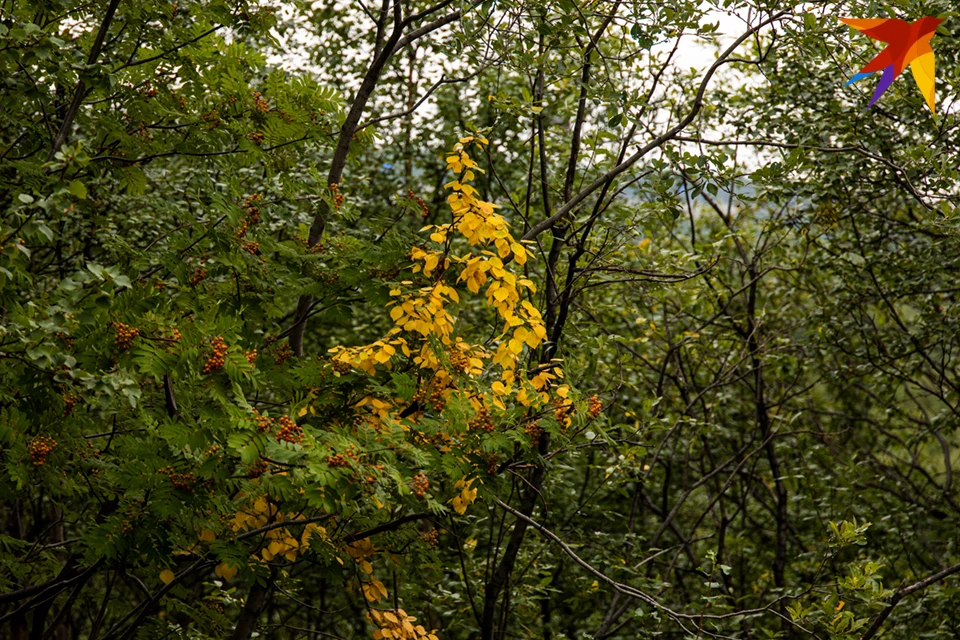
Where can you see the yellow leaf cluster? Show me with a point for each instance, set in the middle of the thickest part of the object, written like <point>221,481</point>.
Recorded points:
<point>367,357</point>
<point>361,549</point>
<point>398,625</point>
<point>426,313</point>
<point>280,542</point>
<point>426,316</point>
<point>226,571</point>
<point>373,590</point>
<point>466,497</point>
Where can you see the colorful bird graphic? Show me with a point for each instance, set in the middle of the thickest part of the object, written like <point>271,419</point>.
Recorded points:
<point>907,43</point>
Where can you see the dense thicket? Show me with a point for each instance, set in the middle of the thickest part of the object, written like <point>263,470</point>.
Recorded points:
<point>478,319</point>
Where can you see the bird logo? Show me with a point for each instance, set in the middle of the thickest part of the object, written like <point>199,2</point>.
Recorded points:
<point>907,43</point>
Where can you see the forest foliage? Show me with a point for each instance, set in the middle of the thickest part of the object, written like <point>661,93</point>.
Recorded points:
<point>458,319</point>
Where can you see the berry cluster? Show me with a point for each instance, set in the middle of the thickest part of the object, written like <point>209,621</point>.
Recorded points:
<point>493,462</point>
<point>420,484</point>
<point>290,431</point>
<point>337,196</point>
<point>125,335</point>
<point>69,402</point>
<point>182,481</point>
<point>255,137</point>
<point>283,352</point>
<point>533,431</point>
<point>423,205</point>
<point>241,230</point>
<point>143,131</point>
<point>260,102</point>
<point>562,412</point>
<point>481,421</point>
<point>343,459</point>
<point>595,407</point>
<point>342,367</point>
<point>67,340</point>
<point>251,247</point>
<point>459,361</point>
<point>159,285</point>
<point>251,356</point>
<point>263,422</point>
<point>219,357</point>
<point>175,335</point>
<point>435,397</point>
<point>258,468</point>
<point>251,207</point>
<point>198,276</point>
<point>432,538</point>
<point>40,448</point>
<point>212,118</point>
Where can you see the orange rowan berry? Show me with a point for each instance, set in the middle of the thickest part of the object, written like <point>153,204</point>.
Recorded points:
<point>251,356</point>
<point>289,431</point>
<point>219,357</point>
<point>198,276</point>
<point>459,361</point>
<point>260,102</point>
<point>423,205</point>
<point>258,468</point>
<point>40,448</point>
<point>432,538</point>
<point>482,421</point>
<point>562,412</point>
<point>125,335</point>
<point>534,431</point>
<point>283,352</point>
<point>69,402</point>
<point>337,196</point>
<point>251,204</point>
<point>420,484</point>
<point>595,406</point>
<point>182,481</point>
<point>263,422</point>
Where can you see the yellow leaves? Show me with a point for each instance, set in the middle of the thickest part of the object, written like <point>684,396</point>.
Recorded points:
<point>167,576</point>
<point>226,571</point>
<point>466,497</point>
<point>374,591</point>
<point>283,545</point>
<point>207,536</point>
<point>312,529</point>
<point>397,625</point>
<point>385,353</point>
<point>519,253</point>
<point>361,549</point>
<point>540,380</point>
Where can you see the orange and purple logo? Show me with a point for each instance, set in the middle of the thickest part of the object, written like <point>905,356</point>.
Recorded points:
<point>907,43</point>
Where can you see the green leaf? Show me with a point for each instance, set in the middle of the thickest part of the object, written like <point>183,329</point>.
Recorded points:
<point>78,189</point>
